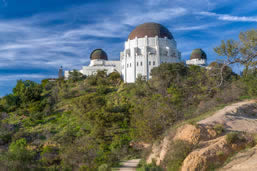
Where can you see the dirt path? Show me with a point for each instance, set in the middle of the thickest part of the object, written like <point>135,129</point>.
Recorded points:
<point>129,165</point>
<point>241,116</point>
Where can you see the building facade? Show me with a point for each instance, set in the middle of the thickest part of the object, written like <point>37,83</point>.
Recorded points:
<point>198,57</point>
<point>98,61</point>
<point>148,46</point>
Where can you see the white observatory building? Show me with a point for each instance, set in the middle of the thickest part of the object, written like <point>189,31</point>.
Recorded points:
<point>148,45</point>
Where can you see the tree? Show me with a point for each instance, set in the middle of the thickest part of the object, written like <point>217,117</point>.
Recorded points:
<point>243,52</point>
<point>27,91</point>
<point>248,48</point>
<point>9,103</point>
<point>75,76</point>
<point>230,50</point>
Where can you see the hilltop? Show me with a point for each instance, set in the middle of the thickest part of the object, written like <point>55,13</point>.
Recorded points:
<point>97,121</point>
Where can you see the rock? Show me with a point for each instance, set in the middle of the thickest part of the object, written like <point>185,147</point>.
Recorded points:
<point>194,134</point>
<point>241,117</point>
<point>189,133</point>
<point>246,160</point>
<point>211,152</point>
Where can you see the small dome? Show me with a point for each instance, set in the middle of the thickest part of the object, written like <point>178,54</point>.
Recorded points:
<point>150,30</point>
<point>198,54</point>
<point>98,54</point>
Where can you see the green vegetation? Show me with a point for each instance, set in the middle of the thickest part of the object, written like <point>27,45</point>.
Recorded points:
<point>179,150</point>
<point>148,167</point>
<point>233,137</point>
<point>90,122</point>
<point>219,128</point>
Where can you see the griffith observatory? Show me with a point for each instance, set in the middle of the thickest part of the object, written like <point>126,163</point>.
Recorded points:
<point>147,46</point>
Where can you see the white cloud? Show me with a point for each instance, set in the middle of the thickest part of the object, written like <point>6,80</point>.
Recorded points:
<point>106,29</point>
<point>190,28</point>
<point>226,17</point>
<point>154,16</point>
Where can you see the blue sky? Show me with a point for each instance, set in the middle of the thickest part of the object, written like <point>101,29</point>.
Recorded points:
<point>39,36</point>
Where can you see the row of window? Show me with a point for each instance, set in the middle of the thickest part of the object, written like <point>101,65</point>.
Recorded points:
<point>141,64</point>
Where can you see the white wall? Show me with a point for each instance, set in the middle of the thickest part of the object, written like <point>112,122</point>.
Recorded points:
<point>96,65</point>
<point>200,62</point>
<point>141,55</point>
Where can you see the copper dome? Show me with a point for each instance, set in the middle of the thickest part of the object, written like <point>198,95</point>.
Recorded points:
<point>98,54</point>
<point>198,54</point>
<point>150,30</point>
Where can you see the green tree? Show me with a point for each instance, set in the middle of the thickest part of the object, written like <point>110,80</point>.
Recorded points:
<point>75,75</point>
<point>27,91</point>
<point>243,52</point>
<point>248,49</point>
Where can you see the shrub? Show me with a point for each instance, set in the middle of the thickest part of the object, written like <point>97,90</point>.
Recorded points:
<point>232,137</point>
<point>103,167</point>
<point>179,150</point>
<point>148,167</point>
<point>219,128</point>
<point>5,138</point>
<point>18,155</point>
<point>50,155</point>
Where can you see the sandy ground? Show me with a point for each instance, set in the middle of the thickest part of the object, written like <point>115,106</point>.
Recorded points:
<point>129,165</point>
<point>241,116</point>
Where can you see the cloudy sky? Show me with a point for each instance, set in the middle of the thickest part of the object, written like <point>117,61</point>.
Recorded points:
<point>39,36</point>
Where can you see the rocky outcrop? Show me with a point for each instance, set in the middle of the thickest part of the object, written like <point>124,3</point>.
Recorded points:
<point>246,160</point>
<point>210,148</point>
<point>210,153</point>
<point>240,117</point>
<point>193,134</point>
<point>190,133</point>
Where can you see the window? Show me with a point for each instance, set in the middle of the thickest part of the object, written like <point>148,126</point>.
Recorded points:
<point>153,62</point>
<point>137,63</point>
<point>130,64</point>
<point>141,63</point>
<point>149,62</point>
<point>127,65</point>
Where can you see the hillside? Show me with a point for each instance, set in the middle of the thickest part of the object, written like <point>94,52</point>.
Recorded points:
<point>97,121</point>
<point>211,141</point>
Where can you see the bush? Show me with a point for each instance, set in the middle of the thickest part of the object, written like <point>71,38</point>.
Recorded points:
<point>103,167</point>
<point>179,150</point>
<point>219,128</point>
<point>148,167</point>
<point>232,137</point>
<point>18,156</point>
<point>50,155</point>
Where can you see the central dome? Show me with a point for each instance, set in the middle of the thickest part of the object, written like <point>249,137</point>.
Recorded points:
<point>150,30</point>
<point>98,54</point>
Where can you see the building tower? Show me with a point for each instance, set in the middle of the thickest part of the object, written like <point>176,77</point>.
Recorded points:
<point>148,45</point>
<point>60,73</point>
<point>198,57</point>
